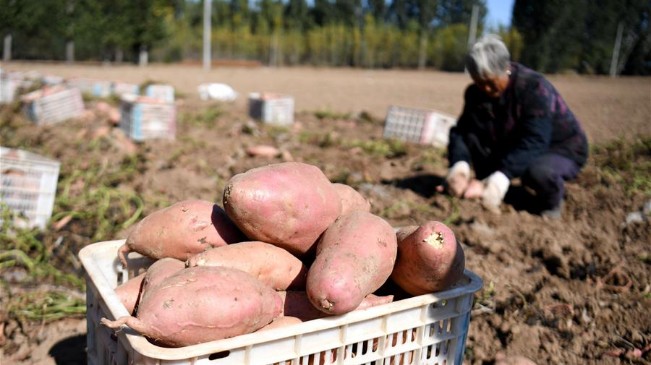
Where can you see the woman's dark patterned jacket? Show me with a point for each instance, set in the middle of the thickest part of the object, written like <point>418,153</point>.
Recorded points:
<point>507,133</point>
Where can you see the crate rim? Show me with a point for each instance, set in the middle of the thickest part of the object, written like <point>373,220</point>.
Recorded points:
<point>144,347</point>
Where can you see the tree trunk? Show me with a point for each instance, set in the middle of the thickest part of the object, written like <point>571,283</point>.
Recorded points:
<point>422,50</point>
<point>143,57</point>
<point>70,51</point>
<point>6,54</point>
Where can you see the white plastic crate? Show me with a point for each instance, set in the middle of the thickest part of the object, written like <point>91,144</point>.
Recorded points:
<point>92,87</point>
<point>428,329</point>
<point>271,108</point>
<point>122,88</point>
<point>421,126</point>
<point>28,185</point>
<point>143,118</point>
<point>54,104</point>
<point>160,91</point>
<point>8,87</point>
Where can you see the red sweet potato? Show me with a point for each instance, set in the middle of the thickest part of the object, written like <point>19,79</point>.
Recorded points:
<point>280,322</point>
<point>297,304</point>
<point>201,304</point>
<point>158,272</point>
<point>429,260</point>
<point>287,204</point>
<point>354,257</point>
<point>270,264</point>
<point>129,292</point>
<point>180,231</point>
<point>351,199</point>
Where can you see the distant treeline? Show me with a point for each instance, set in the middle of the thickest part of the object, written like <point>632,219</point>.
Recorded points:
<point>548,35</point>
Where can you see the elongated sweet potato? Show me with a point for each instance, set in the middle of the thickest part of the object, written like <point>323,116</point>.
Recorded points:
<point>270,264</point>
<point>180,231</point>
<point>201,304</point>
<point>129,292</point>
<point>297,304</point>
<point>354,257</point>
<point>287,204</point>
<point>351,199</point>
<point>429,259</point>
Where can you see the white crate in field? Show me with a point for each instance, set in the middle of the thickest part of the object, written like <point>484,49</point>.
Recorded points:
<point>427,329</point>
<point>123,88</point>
<point>160,91</point>
<point>28,185</point>
<point>143,118</point>
<point>421,126</point>
<point>8,88</point>
<point>50,105</point>
<point>97,88</point>
<point>271,108</point>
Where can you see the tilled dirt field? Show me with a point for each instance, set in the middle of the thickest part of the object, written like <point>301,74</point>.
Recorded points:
<point>573,291</point>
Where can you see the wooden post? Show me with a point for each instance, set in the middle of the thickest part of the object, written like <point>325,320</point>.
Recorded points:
<point>6,53</point>
<point>472,34</point>
<point>207,28</point>
<point>614,62</point>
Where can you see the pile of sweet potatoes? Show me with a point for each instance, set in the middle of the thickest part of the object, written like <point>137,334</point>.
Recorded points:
<point>288,246</point>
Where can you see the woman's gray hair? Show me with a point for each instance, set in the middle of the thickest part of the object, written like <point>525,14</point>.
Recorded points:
<point>489,57</point>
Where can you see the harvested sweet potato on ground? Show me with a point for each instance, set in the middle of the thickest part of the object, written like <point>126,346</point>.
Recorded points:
<point>270,264</point>
<point>180,231</point>
<point>354,257</point>
<point>351,199</point>
<point>429,260</point>
<point>201,304</point>
<point>287,204</point>
<point>129,292</point>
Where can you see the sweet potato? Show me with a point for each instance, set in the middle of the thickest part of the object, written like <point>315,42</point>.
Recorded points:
<point>280,322</point>
<point>201,304</point>
<point>158,272</point>
<point>429,260</point>
<point>180,231</point>
<point>270,264</point>
<point>354,257</point>
<point>129,292</point>
<point>351,199</point>
<point>297,304</point>
<point>287,204</point>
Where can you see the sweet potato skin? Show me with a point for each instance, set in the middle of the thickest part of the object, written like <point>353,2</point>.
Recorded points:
<point>129,292</point>
<point>158,272</point>
<point>296,304</point>
<point>270,264</point>
<point>181,230</point>
<point>351,199</point>
<point>429,259</point>
<point>201,304</point>
<point>354,257</point>
<point>287,204</point>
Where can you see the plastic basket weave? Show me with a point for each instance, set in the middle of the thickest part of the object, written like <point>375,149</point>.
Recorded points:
<point>427,329</point>
<point>28,185</point>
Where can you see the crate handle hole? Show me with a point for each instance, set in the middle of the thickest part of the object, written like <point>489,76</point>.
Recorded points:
<point>219,355</point>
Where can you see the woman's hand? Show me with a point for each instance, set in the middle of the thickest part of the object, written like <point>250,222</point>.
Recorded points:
<point>474,190</point>
<point>457,180</point>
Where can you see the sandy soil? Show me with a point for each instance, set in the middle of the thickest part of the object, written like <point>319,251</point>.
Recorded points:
<point>573,291</point>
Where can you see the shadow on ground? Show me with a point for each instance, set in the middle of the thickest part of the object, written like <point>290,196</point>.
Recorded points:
<point>70,351</point>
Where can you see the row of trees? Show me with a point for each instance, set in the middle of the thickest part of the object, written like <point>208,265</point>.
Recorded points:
<point>549,35</point>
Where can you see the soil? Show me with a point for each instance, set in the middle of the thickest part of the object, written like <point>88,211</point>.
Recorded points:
<point>570,291</point>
